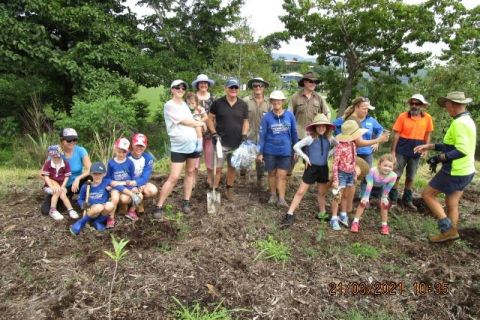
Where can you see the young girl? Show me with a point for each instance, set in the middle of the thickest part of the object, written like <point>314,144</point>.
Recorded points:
<point>199,114</point>
<point>380,176</point>
<point>120,171</point>
<point>318,142</point>
<point>344,173</point>
<point>97,206</point>
<point>55,173</point>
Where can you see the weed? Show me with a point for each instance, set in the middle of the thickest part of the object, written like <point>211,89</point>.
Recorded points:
<point>102,147</point>
<point>196,312</point>
<point>164,247</point>
<point>162,165</point>
<point>460,244</point>
<point>355,314</point>
<point>394,269</point>
<point>364,250</point>
<point>428,227</point>
<point>13,180</point>
<point>270,249</point>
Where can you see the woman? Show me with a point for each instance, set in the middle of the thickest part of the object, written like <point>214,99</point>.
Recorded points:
<point>201,85</point>
<point>184,146</point>
<point>278,134</point>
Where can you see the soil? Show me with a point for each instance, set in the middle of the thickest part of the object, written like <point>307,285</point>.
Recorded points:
<point>46,273</point>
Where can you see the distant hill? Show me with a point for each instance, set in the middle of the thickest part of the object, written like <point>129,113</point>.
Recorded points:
<point>289,56</point>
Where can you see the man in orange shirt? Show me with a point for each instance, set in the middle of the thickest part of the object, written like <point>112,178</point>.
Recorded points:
<point>411,129</point>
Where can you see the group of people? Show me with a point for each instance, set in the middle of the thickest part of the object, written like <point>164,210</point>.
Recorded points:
<point>196,123</point>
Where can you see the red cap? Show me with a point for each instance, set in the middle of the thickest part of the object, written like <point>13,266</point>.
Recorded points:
<point>139,139</point>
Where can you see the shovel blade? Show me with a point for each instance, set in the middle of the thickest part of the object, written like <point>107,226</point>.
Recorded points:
<point>211,203</point>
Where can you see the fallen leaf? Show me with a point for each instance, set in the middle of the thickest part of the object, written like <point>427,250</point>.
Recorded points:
<point>212,290</point>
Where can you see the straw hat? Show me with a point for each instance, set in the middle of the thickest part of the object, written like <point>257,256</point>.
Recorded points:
<point>350,131</point>
<point>318,120</point>
<point>455,96</point>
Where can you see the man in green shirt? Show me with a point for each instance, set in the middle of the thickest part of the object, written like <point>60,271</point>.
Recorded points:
<point>458,165</point>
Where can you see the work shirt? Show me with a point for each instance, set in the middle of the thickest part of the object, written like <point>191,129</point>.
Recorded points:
<point>412,131</point>
<point>305,109</point>
<point>255,113</point>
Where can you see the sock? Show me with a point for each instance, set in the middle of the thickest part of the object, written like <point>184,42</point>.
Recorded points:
<point>343,214</point>
<point>334,218</point>
<point>71,209</point>
<point>53,209</point>
<point>444,224</point>
<point>290,213</point>
<point>356,219</point>
<point>384,223</point>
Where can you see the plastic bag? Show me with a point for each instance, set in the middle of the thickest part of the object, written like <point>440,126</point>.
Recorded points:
<point>245,155</point>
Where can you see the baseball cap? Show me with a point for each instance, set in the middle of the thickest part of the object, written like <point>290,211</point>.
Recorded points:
<point>177,83</point>
<point>139,139</point>
<point>68,133</point>
<point>98,167</point>
<point>122,143</point>
<point>231,82</point>
<point>55,151</point>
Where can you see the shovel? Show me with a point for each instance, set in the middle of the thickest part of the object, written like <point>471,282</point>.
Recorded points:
<point>213,197</point>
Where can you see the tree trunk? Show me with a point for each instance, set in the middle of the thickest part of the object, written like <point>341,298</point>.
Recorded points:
<point>346,94</point>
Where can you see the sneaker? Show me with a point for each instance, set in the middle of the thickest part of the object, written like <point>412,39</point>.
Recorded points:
<point>343,220</point>
<point>110,223</point>
<point>132,215</point>
<point>288,220</point>
<point>158,213</point>
<point>355,226</point>
<point>451,234</point>
<point>282,203</point>
<point>384,229</point>
<point>334,224</point>
<point>273,199</point>
<point>57,216</point>
<point>186,207</point>
<point>73,214</point>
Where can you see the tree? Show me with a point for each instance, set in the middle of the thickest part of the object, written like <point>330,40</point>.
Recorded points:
<point>363,35</point>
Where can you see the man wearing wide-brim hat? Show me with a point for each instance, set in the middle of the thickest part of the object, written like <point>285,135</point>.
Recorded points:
<point>458,165</point>
<point>258,105</point>
<point>307,103</point>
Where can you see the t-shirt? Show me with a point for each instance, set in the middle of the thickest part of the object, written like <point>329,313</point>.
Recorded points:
<point>255,113</point>
<point>412,130</point>
<point>183,139</point>
<point>98,193</point>
<point>121,171</point>
<point>76,163</point>
<point>305,109</point>
<point>229,120</point>
<point>56,173</point>
<point>143,167</point>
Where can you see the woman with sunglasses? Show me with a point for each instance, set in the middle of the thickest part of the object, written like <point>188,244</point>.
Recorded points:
<point>185,146</point>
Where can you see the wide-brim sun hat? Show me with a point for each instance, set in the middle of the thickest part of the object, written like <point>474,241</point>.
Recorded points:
<point>202,78</point>
<point>309,76</point>
<point>177,83</point>
<point>350,131</point>
<point>419,97</point>
<point>320,119</point>
<point>455,96</point>
<point>277,95</point>
<point>257,80</point>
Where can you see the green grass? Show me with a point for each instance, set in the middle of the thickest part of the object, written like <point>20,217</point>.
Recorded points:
<point>14,179</point>
<point>152,96</point>
<point>355,314</point>
<point>364,250</point>
<point>270,249</point>
<point>197,312</point>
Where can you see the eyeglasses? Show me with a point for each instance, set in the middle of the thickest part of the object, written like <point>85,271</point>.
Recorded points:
<point>71,140</point>
<point>258,86</point>
<point>233,88</point>
<point>179,88</point>
<point>415,103</point>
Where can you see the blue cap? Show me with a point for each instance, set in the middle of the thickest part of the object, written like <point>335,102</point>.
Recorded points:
<point>98,167</point>
<point>55,151</point>
<point>232,82</point>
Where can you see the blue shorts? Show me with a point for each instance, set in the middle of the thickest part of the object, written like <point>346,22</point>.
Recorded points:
<point>448,184</point>
<point>277,162</point>
<point>345,179</point>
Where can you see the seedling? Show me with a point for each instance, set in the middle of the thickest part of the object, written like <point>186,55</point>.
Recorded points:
<point>270,249</point>
<point>364,250</point>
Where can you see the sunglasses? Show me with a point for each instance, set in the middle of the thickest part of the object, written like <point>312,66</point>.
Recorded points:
<point>71,140</point>
<point>414,103</point>
<point>258,86</point>
<point>309,81</point>
<point>233,88</point>
<point>179,88</point>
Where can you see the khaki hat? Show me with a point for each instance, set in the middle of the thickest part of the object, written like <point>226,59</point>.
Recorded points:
<point>455,96</point>
<point>419,97</point>
<point>318,120</point>
<point>350,131</point>
<point>257,80</point>
<point>310,76</point>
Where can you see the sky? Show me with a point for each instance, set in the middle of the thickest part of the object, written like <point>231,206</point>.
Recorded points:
<point>263,18</point>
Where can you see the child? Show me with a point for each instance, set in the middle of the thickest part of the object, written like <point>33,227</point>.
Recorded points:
<point>55,173</point>
<point>97,207</point>
<point>199,114</point>
<point>120,171</point>
<point>316,163</point>
<point>344,173</point>
<point>380,176</point>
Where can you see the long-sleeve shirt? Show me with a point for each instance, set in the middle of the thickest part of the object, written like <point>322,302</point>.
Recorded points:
<point>98,193</point>
<point>318,149</point>
<point>143,167</point>
<point>278,134</point>
<point>121,172</point>
<point>375,179</point>
<point>344,159</point>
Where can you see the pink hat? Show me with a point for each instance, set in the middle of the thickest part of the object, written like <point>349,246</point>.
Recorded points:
<point>122,143</point>
<point>139,139</point>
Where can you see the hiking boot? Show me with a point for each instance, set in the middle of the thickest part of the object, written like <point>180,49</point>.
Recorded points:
<point>186,207</point>
<point>273,199</point>
<point>73,214</point>
<point>393,195</point>
<point>451,234</point>
<point>229,194</point>
<point>79,225</point>
<point>334,224</point>
<point>110,223</point>
<point>282,203</point>
<point>288,220</point>
<point>384,229</point>
<point>99,223</point>
<point>132,215</point>
<point>410,205</point>
<point>45,208</point>
<point>343,220</point>
<point>355,227</point>
<point>57,216</point>
<point>158,213</point>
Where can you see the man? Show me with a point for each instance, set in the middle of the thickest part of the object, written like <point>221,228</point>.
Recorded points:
<point>411,129</point>
<point>306,104</point>
<point>228,122</point>
<point>257,106</point>
<point>458,165</point>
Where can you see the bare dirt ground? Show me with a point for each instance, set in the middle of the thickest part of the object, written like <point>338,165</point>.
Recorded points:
<point>46,273</point>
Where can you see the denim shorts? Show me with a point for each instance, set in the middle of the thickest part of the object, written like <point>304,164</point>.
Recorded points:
<point>277,162</point>
<point>405,161</point>
<point>345,179</point>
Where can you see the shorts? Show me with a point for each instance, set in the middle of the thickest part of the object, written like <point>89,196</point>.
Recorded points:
<point>227,153</point>
<point>345,179</point>
<point>409,162</point>
<point>315,173</point>
<point>448,184</point>
<point>277,162</point>
<point>182,157</point>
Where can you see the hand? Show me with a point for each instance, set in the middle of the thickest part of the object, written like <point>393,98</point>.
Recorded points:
<point>335,185</point>
<point>295,157</point>
<point>85,205</point>
<point>114,183</point>
<point>385,204</point>
<point>307,163</point>
<point>130,183</point>
<point>421,148</point>
<point>260,158</point>
<point>394,155</point>
<point>432,162</point>
<point>364,202</point>
<point>384,137</point>
<point>423,155</point>
<point>199,146</point>
<point>375,147</point>
<point>75,185</point>
<point>244,137</point>
<point>64,190</point>
<point>215,138</point>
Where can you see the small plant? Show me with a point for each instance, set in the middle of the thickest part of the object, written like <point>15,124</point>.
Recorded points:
<point>364,250</point>
<point>196,312</point>
<point>102,147</point>
<point>270,249</point>
<point>117,255</point>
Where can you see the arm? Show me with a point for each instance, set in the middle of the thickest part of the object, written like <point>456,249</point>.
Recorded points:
<point>87,163</point>
<point>261,135</point>
<point>147,172</point>
<point>396,137</point>
<point>81,196</point>
<point>211,123</point>
<point>245,127</point>
<point>369,187</point>
<point>392,178</point>
<point>360,142</point>
<point>300,144</point>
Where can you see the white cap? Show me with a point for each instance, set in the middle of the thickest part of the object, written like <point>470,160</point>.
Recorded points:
<point>123,143</point>
<point>277,95</point>
<point>370,107</point>
<point>419,97</point>
<point>178,82</point>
